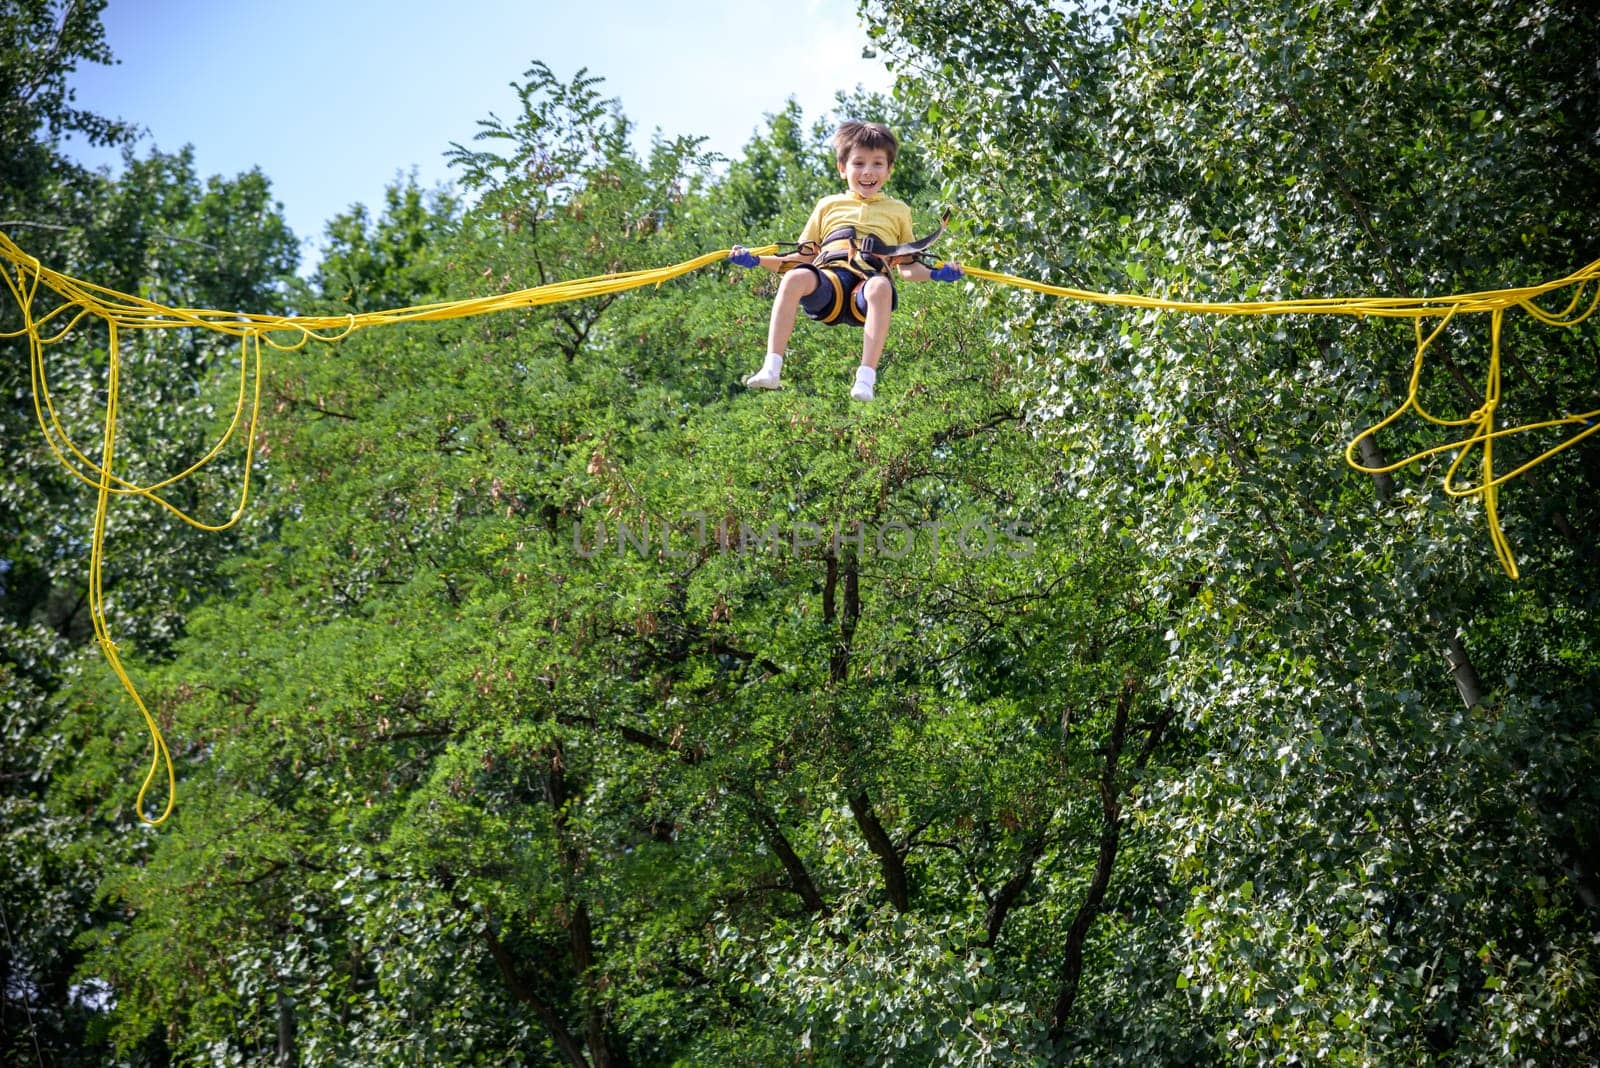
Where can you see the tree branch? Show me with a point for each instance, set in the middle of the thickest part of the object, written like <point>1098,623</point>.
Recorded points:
<point>889,858</point>
<point>689,754</point>
<point>1038,45</point>
<point>990,422</point>
<point>799,878</point>
<point>1006,898</point>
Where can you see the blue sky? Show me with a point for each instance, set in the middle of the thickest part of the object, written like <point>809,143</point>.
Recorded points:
<point>333,100</point>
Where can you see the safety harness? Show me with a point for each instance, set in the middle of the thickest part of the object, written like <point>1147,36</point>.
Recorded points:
<point>864,257</point>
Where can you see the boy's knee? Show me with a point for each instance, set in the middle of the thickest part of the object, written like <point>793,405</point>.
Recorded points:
<point>877,290</point>
<point>798,283</point>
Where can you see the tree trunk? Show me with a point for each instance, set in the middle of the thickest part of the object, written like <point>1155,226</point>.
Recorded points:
<point>569,1046</point>
<point>288,1055</point>
<point>878,840</point>
<point>1110,840</point>
<point>580,933</point>
<point>580,936</point>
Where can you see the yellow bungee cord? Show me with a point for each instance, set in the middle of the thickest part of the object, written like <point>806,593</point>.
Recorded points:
<point>120,311</point>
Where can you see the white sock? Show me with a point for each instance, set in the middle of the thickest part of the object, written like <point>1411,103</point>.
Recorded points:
<point>866,377</point>
<point>768,376</point>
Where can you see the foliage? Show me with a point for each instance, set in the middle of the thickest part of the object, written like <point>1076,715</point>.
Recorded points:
<point>158,230</point>
<point>371,264</point>
<point>43,43</point>
<point>562,702</point>
<point>1357,854</point>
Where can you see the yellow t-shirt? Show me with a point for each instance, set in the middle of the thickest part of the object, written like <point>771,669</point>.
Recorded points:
<point>882,216</point>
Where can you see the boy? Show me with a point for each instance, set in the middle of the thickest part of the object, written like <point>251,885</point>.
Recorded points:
<point>846,283</point>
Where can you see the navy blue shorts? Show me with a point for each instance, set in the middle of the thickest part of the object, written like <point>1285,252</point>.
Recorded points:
<point>840,297</point>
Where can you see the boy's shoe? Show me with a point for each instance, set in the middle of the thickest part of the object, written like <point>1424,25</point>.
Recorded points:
<point>767,377</point>
<point>866,378</point>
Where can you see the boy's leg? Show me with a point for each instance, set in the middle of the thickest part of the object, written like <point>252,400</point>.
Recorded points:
<point>879,295</point>
<point>795,287</point>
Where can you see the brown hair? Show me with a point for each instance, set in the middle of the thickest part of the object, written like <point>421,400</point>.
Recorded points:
<point>869,136</point>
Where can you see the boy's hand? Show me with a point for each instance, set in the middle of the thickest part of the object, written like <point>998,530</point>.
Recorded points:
<point>743,257</point>
<point>946,272</point>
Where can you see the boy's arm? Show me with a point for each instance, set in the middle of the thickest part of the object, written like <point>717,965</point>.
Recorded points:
<point>744,258</point>
<point>920,272</point>
<point>811,235</point>
<point>914,270</point>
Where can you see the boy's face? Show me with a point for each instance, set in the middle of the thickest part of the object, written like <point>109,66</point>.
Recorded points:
<point>866,171</point>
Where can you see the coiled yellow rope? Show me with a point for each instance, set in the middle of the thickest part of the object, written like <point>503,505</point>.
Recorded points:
<point>1483,433</point>
<point>120,311</point>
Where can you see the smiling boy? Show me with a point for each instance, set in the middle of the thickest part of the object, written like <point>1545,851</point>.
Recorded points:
<point>846,282</point>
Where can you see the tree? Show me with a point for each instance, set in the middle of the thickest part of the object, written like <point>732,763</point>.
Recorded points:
<point>158,230</point>
<point>581,708</point>
<point>383,263</point>
<point>1071,704</point>
<point>1338,851</point>
<point>44,42</point>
